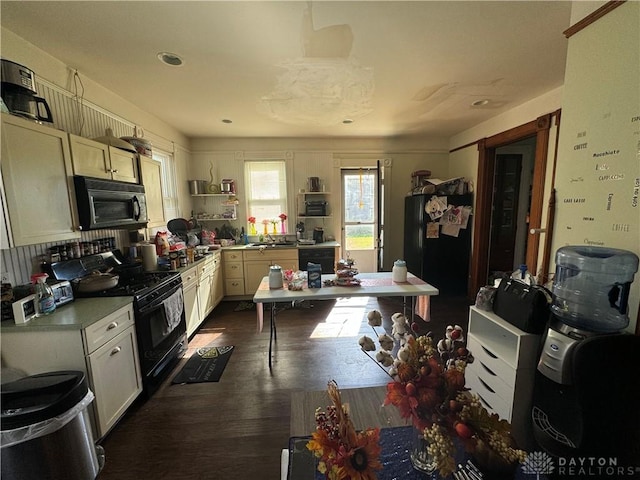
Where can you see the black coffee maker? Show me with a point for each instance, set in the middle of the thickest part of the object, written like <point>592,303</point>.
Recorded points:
<point>19,93</point>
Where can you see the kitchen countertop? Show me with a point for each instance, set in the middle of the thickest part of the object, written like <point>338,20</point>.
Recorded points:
<point>332,244</point>
<point>76,315</point>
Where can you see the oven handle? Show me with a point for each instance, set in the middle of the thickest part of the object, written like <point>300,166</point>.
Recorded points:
<point>157,302</point>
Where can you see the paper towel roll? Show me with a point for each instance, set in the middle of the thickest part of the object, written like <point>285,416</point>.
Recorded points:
<point>149,257</point>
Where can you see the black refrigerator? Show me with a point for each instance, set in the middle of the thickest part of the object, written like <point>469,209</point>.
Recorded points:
<point>442,261</point>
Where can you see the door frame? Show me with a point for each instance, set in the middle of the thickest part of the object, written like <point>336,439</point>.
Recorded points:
<point>484,192</point>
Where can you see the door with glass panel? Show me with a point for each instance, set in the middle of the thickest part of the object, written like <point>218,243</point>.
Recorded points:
<point>360,217</point>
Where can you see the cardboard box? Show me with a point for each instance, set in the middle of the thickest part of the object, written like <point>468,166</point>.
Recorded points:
<point>314,275</point>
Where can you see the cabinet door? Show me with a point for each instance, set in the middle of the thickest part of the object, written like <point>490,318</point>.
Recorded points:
<point>217,286</point>
<point>254,271</point>
<point>191,308</point>
<point>37,183</point>
<point>115,377</point>
<point>124,165</point>
<point>90,158</point>
<point>151,179</point>
<point>205,274</point>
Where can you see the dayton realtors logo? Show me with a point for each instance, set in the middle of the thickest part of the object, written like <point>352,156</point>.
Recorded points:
<point>539,463</point>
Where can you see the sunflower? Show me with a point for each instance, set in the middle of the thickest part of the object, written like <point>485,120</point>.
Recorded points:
<point>344,453</point>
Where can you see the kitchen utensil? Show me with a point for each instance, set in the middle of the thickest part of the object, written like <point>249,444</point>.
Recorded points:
<point>97,281</point>
<point>110,139</point>
<point>179,227</point>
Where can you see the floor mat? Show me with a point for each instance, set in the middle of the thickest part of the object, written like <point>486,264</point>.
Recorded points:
<point>205,365</point>
<point>244,306</point>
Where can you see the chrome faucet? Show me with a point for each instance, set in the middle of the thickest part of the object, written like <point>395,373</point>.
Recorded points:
<point>270,239</point>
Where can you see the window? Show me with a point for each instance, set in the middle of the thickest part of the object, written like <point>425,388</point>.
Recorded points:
<point>359,212</point>
<point>266,186</point>
<point>169,187</point>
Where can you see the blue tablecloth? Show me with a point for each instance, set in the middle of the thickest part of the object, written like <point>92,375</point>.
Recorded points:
<point>394,458</point>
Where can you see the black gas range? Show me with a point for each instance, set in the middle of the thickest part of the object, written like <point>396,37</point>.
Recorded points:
<point>158,304</point>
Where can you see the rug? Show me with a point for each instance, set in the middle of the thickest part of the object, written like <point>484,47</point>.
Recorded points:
<point>244,306</point>
<point>205,365</point>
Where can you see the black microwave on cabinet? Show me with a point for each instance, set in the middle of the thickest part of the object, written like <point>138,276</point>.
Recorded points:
<point>109,204</point>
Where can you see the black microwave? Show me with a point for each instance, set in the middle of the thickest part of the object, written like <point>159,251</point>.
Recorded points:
<point>109,204</point>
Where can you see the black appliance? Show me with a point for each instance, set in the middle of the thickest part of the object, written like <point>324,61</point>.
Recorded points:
<point>316,208</point>
<point>19,92</point>
<point>587,364</point>
<point>110,204</point>
<point>442,260</point>
<point>324,256</point>
<point>160,319</point>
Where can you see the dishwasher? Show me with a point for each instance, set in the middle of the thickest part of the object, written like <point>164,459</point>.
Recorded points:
<point>324,256</point>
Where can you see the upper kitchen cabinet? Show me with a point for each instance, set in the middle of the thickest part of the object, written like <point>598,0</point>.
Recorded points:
<point>99,160</point>
<point>37,189</point>
<point>151,174</point>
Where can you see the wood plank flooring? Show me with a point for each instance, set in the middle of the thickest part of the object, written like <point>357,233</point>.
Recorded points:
<point>237,427</point>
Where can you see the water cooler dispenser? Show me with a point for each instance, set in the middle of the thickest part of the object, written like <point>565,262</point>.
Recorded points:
<point>588,378</point>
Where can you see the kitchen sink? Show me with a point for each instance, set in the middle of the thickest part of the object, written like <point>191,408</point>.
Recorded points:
<point>271,244</point>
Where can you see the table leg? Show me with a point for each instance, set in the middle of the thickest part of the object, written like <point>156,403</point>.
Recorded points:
<point>272,332</point>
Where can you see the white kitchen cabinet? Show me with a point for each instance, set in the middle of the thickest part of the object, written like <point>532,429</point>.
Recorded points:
<point>99,160</point>
<point>151,174</point>
<point>106,351</point>
<point>503,371</point>
<point>38,199</point>
<point>217,284</point>
<point>257,263</point>
<point>205,284</point>
<point>233,267</point>
<point>190,293</point>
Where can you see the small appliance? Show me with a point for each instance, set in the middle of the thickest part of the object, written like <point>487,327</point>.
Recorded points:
<point>318,235</point>
<point>316,208</point>
<point>19,92</point>
<point>62,291</point>
<point>228,186</point>
<point>587,363</point>
<point>110,204</point>
<point>314,184</point>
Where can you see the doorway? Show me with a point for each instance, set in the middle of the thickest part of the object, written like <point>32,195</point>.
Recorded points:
<point>487,147</point>
<point>360,217</point>
<point>510,208</point>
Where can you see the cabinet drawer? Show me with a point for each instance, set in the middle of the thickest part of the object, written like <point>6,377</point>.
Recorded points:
<point>233,270</point>
<point>492,361</point>
<point>189,277</point>
<point>232,256</point>
<point>282,256</point>
<point>490,380</point>
<point>489,399</point>
<point>104,330</point>
<point>233,287</point>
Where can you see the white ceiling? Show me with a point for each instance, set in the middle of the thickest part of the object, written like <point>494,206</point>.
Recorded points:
<point>394,68</point>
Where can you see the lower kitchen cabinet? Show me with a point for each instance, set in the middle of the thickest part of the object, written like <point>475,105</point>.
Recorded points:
<point>105,351</point>
<point>503,371</point>
<point>233,272</point>
<point>190,294</point>
<point>257,263</point>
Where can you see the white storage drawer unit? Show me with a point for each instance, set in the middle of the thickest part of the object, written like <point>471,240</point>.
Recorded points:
<point>503,372</point>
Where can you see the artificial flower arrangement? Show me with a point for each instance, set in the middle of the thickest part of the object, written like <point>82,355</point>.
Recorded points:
<point>428,388</point>
<point>283,218</point>
<point>265,223</point>
<point>343,452</point>
<point>252,223</point>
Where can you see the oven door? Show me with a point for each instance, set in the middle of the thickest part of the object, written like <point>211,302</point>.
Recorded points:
<point>161,329</point>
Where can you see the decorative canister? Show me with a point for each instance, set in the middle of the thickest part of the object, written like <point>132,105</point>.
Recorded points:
<point>399,271</point>
<point>275,277</point>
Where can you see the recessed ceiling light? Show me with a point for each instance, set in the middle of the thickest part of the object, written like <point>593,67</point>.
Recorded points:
<point>347,121</point>
<point>480,103</point>
<point>170,59</point>
<point>226,120</point>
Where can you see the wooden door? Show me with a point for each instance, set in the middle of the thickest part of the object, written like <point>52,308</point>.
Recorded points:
<point>506,190</point>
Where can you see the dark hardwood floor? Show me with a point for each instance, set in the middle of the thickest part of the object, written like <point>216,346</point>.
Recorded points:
<point>237,427</point>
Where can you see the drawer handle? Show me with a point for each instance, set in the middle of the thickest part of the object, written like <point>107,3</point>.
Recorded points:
<point>114,351</point>
<point>486,386</point>
<point>484,401</point>
<point>491,354</point>
<point>112,325</point>
<point>488,369</point>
